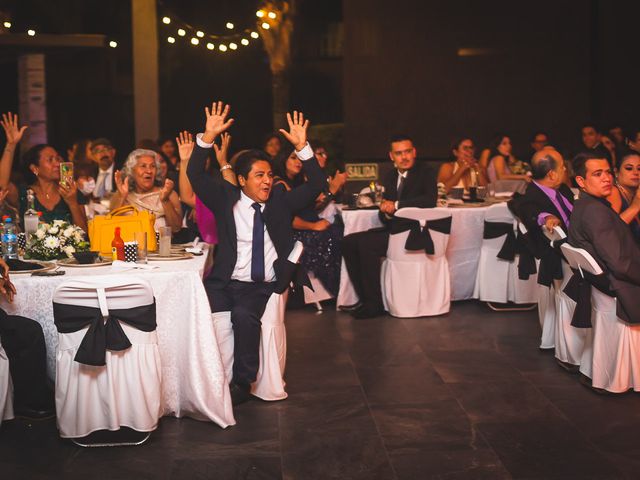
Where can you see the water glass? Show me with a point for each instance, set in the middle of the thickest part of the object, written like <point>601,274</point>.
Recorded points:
<point>141,239</point>
<point>165,242</point>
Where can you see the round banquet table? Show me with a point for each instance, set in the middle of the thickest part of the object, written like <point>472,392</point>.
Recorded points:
<point>193,378</point>
<point>463,251</point>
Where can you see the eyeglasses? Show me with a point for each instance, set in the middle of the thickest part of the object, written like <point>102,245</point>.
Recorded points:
<point>101,149</point>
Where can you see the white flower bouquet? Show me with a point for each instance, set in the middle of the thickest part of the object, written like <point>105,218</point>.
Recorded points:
<point>59,240</point>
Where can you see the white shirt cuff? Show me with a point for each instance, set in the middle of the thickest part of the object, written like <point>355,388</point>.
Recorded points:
<point>306,153</point>
<point>396,204</point>
<point>202,143</point>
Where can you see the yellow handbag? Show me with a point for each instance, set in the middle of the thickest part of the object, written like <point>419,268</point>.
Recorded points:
<point>129,219</point>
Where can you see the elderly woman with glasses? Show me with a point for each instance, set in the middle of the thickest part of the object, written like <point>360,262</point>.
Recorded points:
<point>140,184</point>
<point>41,165</point>
<point>464,171</point>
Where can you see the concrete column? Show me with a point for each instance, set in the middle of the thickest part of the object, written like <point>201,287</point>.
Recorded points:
<point>145,69</point>
<point>32,99</point>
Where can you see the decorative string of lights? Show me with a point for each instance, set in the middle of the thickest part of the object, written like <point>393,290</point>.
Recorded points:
<point>176,29</point>
<point>32,33</point>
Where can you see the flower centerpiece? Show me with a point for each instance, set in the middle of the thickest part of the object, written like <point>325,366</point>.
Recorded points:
<point>55,241</point>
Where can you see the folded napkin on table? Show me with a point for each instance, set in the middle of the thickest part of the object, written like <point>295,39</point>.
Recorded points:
<point>120,266</point>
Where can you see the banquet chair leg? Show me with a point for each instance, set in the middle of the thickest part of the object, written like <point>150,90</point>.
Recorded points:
<point>524,308</point>
<point>318,307</point>
<point>125,437</point>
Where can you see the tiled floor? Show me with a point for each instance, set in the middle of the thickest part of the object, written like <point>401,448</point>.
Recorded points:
<point>467,395</point>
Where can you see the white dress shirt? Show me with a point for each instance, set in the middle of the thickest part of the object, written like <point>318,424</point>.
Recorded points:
<point>104,182</point>
<point>243,216</point>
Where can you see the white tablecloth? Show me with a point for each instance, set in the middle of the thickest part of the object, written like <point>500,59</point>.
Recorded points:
<point>193,378</point>
<point>463,252</point>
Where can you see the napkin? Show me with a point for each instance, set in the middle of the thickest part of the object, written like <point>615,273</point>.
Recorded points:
<point>195,247</point>
<point>120,266</point>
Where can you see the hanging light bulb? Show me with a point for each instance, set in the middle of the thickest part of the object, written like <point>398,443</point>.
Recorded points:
<point>171,40</point>
<point>195,41</point>
<point>233,46</point>
<point>230,25</point>
<point>166,20</point>
<point>244,42</point>
<point>113,44</point>
<point>31,32</point>
<point>199,34</point>
<point>182,32</point>
<point>260,13</point>
<point>7,24</point>
<point>222,48</point>
<point>266,26</point>
<point>210,46</point>
<point>255,35</point>
<point>272,15</point>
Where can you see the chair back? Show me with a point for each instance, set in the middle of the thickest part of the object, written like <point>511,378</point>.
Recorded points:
<point>397,242</point>
<point>421,215</point>
<point>499,213</point>
<point>580,259</point>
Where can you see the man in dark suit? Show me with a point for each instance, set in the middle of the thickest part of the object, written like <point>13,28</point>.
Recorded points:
<point>408,185</point>
<point>255,234</point>
<point>103,153</point>
<point>598,229</point>
<point>546,203</point>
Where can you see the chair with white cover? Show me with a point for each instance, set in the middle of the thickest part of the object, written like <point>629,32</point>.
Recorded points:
<point>569,340</point>
<point>611,354</point>
<point>108,371</point>
<point>415,274</point>
<point>497,279</point>
<point>6,388</point>
<point>269,384</point>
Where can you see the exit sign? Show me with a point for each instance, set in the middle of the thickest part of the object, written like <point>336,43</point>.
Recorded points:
<point>361,171</point>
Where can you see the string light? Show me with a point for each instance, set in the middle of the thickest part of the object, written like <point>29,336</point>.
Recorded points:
<point>171,40</point>
<point>230,25</point>
<point>244,42</point>
<point>113,44</point>
<point>195,41</point>
<point>233,46</point>
<point>7,24</point>
<point>272,15</point>
<point>222,48</point>
<point>260,13</point>
<point>31,33</point>
<point>210,46</point>
<point>255,35</point>
<point>266,26</point>
<point>166,20</point>
<point>199,34</point>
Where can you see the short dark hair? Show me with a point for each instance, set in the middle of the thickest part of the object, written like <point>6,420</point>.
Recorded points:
<point>101,141</point>
<point>399,137</point>
<point>32,157</point>
<point>543,165</point>
<point>591,125</point>
<point>579,162</point>
<point>538,132</point>
<point>245,161</point>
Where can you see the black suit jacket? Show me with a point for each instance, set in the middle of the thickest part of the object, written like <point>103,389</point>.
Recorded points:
<point>597,228</point>
<point>221,196</point>
<point>420,189</point>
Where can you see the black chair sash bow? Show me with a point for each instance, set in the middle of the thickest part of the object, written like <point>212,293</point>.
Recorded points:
<point>578,289</point>
<point>551,264</point>
<point>419,237</point>
<point>288,272</point>
<point>513,245</point>
<point>102,336</point>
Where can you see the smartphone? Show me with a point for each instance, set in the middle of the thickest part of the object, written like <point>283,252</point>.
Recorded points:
<point>66,173</point>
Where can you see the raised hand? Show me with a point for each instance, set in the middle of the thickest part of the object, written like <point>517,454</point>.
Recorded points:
<point>167,188</point>
<point>223,150</point>
<point>68,192</point>
<point>122,184</point>
<point>297,133</point>
<point>185,145</point>
<point>10,124</point>
<point>216,120</point>
<point>337,181</point>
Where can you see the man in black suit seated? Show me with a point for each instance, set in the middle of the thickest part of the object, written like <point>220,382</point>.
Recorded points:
<point>23,341</point>
<point>546,203</point>
<point>598,229</point>
<point>255,234</point>
<point>410,184</point>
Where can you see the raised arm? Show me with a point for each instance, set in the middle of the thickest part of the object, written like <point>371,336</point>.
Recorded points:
<point>185,149</point>
<point>222,155</point>
<point>14,135</point>
<point>304,195</point>
<point>206,187</point>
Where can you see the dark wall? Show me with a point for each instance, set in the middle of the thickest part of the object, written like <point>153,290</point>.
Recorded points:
<point>403,71</point>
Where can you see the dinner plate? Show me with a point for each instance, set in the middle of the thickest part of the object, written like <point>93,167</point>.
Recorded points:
<point>154,257</point>
<point>44,267</point>
<point>72,262</point>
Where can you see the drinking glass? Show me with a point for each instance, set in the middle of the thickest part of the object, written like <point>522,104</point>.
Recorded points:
<point>141,238</point>
<point>165,242</point>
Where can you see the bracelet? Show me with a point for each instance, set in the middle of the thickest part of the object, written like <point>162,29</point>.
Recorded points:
<point>225,167</point>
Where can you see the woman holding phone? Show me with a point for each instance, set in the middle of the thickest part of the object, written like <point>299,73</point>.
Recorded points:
<point>41,163</point>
